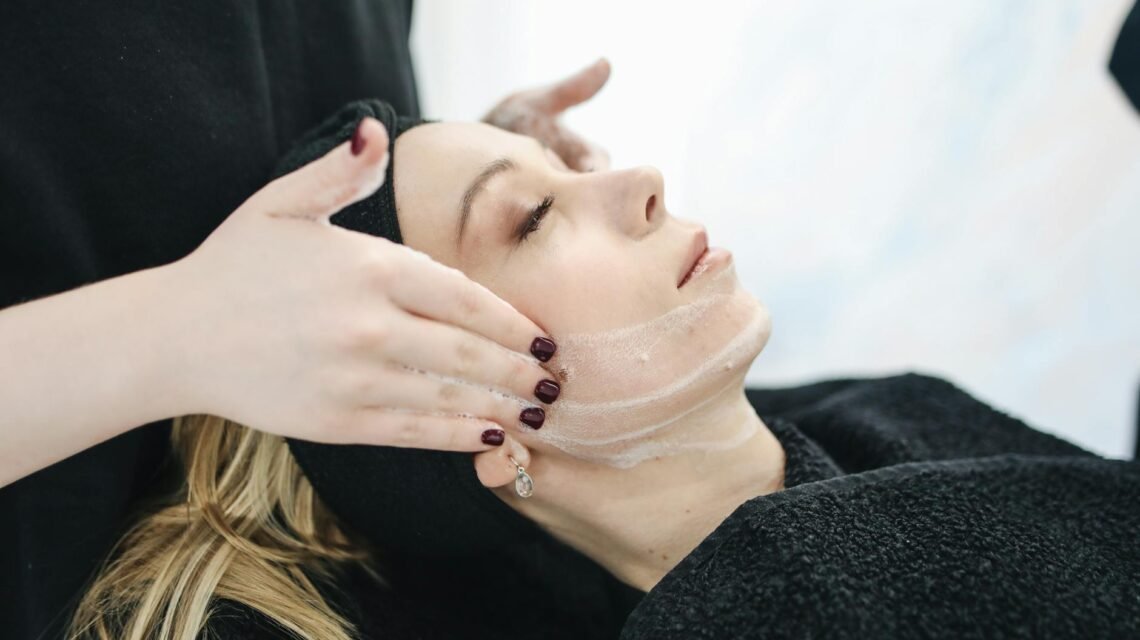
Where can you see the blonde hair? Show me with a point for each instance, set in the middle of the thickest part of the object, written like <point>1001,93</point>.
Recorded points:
<point>246,526</point>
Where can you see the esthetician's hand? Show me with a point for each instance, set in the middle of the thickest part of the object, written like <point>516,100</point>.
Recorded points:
<point>289,324</point>
<point>534,112</point>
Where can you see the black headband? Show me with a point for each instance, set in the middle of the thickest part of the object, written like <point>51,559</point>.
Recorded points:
<point>441,536</point>
<point>425,503</point>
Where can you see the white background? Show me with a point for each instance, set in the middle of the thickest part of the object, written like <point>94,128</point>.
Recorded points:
<point>949,187</point>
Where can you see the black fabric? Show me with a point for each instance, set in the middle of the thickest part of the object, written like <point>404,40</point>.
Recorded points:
<point>376,612</point>
<point>878,534</point>
<point>406,502</point>
<point>1125,61</point>
<point>1136,435</point>
<point>928,514</point>
<point>376,214</point>
<point>129,131</point>
<point>431,490</point>
<point>964,522</point>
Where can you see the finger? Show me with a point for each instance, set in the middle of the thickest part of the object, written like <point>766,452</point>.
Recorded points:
<point>442,293</point>
<point>595,159</point>
<point>387,427</point>
<point>569,146</point>
<point>575,89</point>
<point>495,468</point>
<point>332,182</point>
<point>454,353</point>
<point>578,153</point>
<point>419,391</point>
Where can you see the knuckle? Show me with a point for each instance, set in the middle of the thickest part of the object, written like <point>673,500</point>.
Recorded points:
<point>450,395</point>
<point>468,301</point>
<point>381,272</point>
<point>336,428</point>
<point>375,334</point>
<point>467,359</point>
<point>518,374</point>
<point>408,431</point>
<point>324,185</point>
<point>452,438</point>
<point>340,193</point>
<point>360,336</point>
<point>357,386</point>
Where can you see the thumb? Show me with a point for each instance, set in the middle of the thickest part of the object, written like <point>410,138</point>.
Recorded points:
<point>575,89</point>
<point>350,172</point>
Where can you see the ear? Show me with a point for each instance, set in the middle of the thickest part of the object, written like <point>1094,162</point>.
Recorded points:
<point>495,468</point>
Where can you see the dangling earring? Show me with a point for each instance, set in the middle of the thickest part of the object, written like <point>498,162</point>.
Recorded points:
<point>524,485</point>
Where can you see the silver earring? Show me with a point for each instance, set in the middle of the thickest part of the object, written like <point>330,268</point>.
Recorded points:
<point>524,484</point>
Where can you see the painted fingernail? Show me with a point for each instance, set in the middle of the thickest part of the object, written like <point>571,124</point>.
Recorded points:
<point>547,391</point>
<point>533,416</point>
<point>543,348</point>
<point>358,140</point>
<point>493,437</point>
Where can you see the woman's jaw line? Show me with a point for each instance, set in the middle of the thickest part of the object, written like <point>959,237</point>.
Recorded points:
<point>640,521</point>
<point>624,429</point>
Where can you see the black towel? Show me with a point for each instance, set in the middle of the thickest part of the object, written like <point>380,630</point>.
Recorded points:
<point>913,510</point>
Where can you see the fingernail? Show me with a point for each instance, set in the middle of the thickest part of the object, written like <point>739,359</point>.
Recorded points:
<point>547,391</point>
<point>358,140</point>
<point>533,416</point>
<point>543,348</point>
<point>493,437</point>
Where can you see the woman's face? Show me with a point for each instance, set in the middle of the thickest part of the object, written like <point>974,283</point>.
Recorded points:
<point>583,255</point>
<point>606,254</point>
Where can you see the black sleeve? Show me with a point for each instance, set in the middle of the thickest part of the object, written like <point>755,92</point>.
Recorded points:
<point>130,130</point>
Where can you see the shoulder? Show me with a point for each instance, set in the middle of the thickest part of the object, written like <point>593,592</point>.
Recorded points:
<point>1014,544</point>
<point>873,422</point>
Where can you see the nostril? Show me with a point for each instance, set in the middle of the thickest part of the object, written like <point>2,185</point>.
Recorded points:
<point>649,204</point>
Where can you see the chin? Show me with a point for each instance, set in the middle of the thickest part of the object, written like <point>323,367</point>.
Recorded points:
<point>761,326</point>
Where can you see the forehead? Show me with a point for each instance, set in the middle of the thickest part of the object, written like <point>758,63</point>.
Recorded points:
<point>434,165</point>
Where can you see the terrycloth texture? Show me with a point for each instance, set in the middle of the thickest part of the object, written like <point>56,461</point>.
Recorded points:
<point>918,571</point>
<point>953,521</point>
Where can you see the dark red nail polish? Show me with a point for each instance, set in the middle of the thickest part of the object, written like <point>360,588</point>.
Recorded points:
<point>533,416</point>
<point>493,437</point>
<point>547,391</point>
<point>358,140</point>
<point>543,348</point>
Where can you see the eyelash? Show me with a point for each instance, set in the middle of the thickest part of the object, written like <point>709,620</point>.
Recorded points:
<point>534,220</point>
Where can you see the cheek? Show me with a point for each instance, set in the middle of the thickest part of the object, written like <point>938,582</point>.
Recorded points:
<point>551,294</point>
<point>582,282</point>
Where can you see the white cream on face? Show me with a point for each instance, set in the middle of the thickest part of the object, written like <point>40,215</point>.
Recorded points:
<point>626,391</point>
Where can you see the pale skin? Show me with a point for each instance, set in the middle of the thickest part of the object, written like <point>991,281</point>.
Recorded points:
<point>606,254</point>
<point>205,334</point>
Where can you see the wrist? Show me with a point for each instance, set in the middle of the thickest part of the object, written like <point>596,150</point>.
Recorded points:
<point>162,347</point>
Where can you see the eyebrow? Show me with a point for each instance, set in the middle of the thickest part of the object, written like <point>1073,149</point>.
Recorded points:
<point>492,169</point>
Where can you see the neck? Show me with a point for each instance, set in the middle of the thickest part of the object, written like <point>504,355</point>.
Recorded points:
<point>640,522</point>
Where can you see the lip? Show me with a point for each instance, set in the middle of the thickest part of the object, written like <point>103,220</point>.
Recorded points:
<point>697,249</point>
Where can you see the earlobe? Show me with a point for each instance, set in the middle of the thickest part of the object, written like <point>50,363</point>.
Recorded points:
<point>495,468</point>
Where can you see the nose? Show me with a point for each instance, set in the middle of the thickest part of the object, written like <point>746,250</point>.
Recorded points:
<point>640,204</point>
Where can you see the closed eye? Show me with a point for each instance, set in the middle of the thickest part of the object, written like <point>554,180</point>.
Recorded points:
<point>533,220</point>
